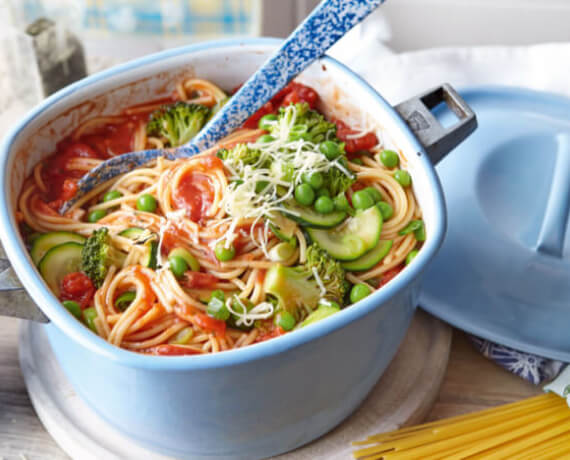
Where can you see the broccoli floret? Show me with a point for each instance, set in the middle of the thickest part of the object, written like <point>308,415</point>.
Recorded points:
<point>309,125</point>
<point>241,153</point>
<point>329,270</point>
<point>296,287</point>
<point>178,122</point>
<point>98,255</point>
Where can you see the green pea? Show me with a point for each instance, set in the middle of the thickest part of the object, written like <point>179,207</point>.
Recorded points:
<point>358,292</point>
<point>330,304</point>
<point>146,203</point>
<point>224,254</point>
<point>266,138</point>
<point>330,149</point>
<point>217,309</point>
<point>304,194</point>
<point>357,161</point>
<point>341,202</point>
<point>403,178</point>
<point>385,209</point>
<point>96,215</point>
<point>112,195</point>
<point>389,158</point>
<point>374,193</point>
<point>218,294</point>
<point>73,308</point>
<point>315,180</point>
<point>125,299</point>
<point>411,255</point>
<point>362,200</point>
<point>323,192</point>
<point>177,265</point>
<point>324,205</point>
<point>267,121</point>
<point>89,316</point>
<point>285,320</point>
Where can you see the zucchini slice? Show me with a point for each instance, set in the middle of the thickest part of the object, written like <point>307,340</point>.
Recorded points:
<point>45,242</point>
<point>58,262</point>
<point>356,236</point>
<point>370,259</point>
<point>308,217</point>
<point>146,237</point>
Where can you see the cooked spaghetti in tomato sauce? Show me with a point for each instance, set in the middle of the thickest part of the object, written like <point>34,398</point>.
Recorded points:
<point>286,221</point>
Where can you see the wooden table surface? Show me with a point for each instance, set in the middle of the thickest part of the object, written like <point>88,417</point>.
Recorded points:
<point>471,383</point>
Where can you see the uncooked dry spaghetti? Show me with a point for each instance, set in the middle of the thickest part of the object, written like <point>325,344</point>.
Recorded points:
<point>284,222</point>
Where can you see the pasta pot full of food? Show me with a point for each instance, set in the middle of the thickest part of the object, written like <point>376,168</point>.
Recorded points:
<point>241,302</point>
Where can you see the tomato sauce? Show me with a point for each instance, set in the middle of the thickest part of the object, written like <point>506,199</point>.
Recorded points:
<point>210,324</point>
<point>357,144</point>
<point>78,287</point>
<point>198,280</point>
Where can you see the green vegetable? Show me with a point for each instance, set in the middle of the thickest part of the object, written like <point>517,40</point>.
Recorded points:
<point>416,226</point>
<point>374,193</point>
<point>315,180</point>
<point>336,181</point>
<point>389,158</point>
<point>285,236</point>
<point>353,238</point>
<point>59,261</point>
<point>386,210</point>
<point>178,122</point>
<point>323,192</point>
<point>362,200</point>
<point>240,306</point>
<point>97,255</point>
<point>304,194</point>
<point>125,299</point>
<point>267,121</point>
<point>330,149</point>
<point>177,265</point>
<point>146,203</point>
<point>266,138</point>
<point>357,161</point>
<point>315,128</point>
<point>403,178</point>
<point>322,312</point>
<point>324,205</point>
<point>96,215</point>
<point>44,242</point>
<point>370,259</point>
<point>308,217</point>
<point>241,153</point>
<point>89,316</point>
<point>73,308</point>
<point>223,253</point>
<point>411,255</point>
<point>149,239</point>
<point>281,252</point>
<point>341,202</point>
<point>190,260</point>
<point>296,287</point>
<point>112,195</point>
<point>183,337</point>
<point>358,292</point>
<point>217,309</point>
<point>285,320</point>
<point>217,294</point>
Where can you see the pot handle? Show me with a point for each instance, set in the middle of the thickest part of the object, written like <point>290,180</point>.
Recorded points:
<point>437,140</point>
<point>14,300</point>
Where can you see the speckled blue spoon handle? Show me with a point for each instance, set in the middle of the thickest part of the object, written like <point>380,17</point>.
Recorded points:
<point>322,29</point>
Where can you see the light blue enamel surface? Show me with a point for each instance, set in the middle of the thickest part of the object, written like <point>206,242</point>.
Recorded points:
<point>504,270</point>
<point>323,28</point>
<point>251,402</point>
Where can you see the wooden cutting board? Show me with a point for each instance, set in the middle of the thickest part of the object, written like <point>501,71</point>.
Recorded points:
<point>404,395</point>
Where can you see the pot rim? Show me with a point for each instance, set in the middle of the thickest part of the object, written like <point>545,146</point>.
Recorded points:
<point>69,325</point>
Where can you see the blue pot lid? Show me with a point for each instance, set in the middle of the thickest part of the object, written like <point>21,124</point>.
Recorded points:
<point>503,272</point>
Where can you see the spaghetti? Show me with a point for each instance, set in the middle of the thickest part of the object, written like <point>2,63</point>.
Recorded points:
<point>244,242</point>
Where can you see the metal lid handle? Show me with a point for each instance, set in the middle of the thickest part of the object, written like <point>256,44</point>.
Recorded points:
<point>437,140</point>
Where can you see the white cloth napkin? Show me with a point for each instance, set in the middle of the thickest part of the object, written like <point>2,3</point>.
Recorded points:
<point>397,77</point>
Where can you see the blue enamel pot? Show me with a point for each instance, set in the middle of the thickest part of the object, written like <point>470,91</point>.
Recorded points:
<point>267,398</point>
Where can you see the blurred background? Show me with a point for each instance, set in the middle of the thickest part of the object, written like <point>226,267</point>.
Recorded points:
<point>46,44</point>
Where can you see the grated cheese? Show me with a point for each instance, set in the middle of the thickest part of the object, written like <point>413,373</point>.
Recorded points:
<point>262,310</point>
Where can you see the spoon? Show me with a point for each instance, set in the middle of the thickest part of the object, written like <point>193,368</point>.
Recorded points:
<point>323,28</point>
